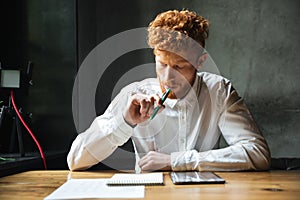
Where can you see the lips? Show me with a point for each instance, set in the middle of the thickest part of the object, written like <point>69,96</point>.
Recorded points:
<point>170,85</point>
<point>176,85</point>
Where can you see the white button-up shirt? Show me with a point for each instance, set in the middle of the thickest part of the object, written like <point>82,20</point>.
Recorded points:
<point>188,129</point>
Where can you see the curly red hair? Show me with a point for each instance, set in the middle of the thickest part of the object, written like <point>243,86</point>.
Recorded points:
<point>171,28</point>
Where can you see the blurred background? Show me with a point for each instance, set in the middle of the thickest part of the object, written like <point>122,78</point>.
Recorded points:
<point>255,44</point>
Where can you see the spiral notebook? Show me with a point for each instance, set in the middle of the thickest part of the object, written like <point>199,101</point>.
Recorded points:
<point>136,179</point>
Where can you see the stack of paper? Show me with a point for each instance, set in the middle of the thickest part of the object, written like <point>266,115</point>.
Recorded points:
<point>95,188</point>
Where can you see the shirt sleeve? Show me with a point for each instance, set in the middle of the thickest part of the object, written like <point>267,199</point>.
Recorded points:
<point>247,148</point>
<point>102,138</point>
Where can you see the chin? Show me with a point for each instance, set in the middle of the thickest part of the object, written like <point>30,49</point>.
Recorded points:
<point>172,95</point>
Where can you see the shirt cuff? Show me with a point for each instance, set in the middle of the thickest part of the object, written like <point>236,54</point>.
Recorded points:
<point>178,161</point>
<point>123,130</point>
<point>184,160</point>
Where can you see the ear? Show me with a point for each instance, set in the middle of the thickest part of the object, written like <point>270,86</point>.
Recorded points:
<point>201,60</point>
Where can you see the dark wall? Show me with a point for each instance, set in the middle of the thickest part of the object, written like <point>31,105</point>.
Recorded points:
<point>254,43</point>
<point>43,32</point>
<point>97,21</point>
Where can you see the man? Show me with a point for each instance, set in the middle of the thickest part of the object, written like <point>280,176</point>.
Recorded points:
<point>185,134</point>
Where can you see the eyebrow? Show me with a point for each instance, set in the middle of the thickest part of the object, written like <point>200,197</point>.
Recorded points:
<point>183,61</point>
<point>180,60</point>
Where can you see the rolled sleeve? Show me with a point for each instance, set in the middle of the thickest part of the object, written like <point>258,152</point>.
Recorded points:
<point>184,160</point>
<point>98,142</point>
<point>122,132</point>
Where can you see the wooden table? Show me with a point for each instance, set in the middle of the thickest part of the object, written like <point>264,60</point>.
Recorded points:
<point>239,185</point>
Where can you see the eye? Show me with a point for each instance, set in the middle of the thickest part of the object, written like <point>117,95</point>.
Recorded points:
<point>162,64</point>
<point>178,67</point>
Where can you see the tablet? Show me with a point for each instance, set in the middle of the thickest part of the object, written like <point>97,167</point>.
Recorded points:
<point>195,177</point>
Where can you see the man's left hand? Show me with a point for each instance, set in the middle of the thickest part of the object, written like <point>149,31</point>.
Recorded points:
<point>155,161</point>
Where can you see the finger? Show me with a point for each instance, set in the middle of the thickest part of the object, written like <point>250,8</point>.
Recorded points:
<point>142,161</point>
<point>136,99</point>
<point>157,99</point>
<point>147,167</point>
<point>151,106</point>
<point>145,105</point>
<point>146,158</point>
<point>159,104</point>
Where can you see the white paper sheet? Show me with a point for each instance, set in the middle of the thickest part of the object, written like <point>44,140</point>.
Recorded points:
<point>94,188</point>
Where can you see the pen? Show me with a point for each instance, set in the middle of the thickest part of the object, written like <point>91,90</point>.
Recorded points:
<point>163,98</point>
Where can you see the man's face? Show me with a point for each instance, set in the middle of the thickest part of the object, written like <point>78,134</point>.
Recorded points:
<point>174,72</point>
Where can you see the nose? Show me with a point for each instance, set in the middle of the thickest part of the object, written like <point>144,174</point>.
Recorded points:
<point>169,73</point>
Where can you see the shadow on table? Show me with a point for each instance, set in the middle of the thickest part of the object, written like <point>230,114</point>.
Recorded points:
<point>285,164</point>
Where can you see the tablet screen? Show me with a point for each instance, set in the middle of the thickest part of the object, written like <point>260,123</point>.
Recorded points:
<point>195,177</point>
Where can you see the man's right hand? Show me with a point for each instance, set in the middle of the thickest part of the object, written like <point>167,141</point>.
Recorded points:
<point>140,108</point>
